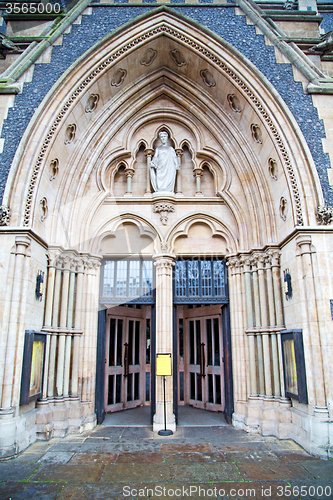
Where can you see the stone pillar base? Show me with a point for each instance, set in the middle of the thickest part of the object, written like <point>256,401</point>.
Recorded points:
<point>16,432</point>
<point>158,425</point>
<point>58,420</point>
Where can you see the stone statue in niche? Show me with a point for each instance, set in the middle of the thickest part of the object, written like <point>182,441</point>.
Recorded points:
<point>164,166</point>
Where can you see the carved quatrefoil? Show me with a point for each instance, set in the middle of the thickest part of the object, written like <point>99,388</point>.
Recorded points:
<point>149,57</point>
<point>118,77</point>
<point>92,103</point>
<point>208,78</point>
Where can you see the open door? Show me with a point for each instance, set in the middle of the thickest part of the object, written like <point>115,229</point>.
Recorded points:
<point>127,374</point>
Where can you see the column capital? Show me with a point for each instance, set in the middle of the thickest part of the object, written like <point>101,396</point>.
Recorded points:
<point>52,255</point>
<point>246,262</point>
<point>149,152</point>
<point>164,262</point>
<point>274,256</point>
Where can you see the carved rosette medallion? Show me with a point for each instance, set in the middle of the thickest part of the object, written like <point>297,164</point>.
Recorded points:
<point>163,209</point>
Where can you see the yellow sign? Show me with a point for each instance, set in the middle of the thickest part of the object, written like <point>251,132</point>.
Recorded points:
<point>163,364</point>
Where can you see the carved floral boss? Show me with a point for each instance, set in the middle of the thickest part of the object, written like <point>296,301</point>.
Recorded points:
<point>164,209</point>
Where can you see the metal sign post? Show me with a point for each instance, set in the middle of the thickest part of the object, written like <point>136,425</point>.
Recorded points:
<point>163,368</point>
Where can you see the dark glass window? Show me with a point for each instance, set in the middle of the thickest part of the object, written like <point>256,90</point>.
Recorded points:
<point>199,280</point>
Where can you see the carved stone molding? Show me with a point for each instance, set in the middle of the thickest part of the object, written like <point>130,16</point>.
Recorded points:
<point>200,48</point>
<point>207,78</point>
<point>163,209</point>
<point>178,57</point>
<point>4,215</point>
<point>149,57</point>
<point>324,215</point>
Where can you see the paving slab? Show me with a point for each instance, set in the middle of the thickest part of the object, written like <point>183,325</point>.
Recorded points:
<point>56,457</point>
<point>320,470</point>
<point>29,491</point>
<point>69,473</point>
<point>272,471</point>
<point>135,473</point>
<point>294,456</point>
<point>12,471</point>
<point>110,432</point>
<point>311,490</point>
<point>274,490</point>
<point>181,457</point>
<point>93,491</point>
<point>143,445</point>
<point>140,457</point>
<point>250,456</point>
<point>93,458</point>
<point>179,448</point>
<point>202,472</point>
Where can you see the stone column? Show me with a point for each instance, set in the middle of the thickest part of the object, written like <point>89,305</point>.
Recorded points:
<point>250,324</point>
<point>76,339</point>
<point>68,346</point>
<point>52,256</point>
<point>14,330</point>
<point>311,333</point>
<point>149,153</point>
<point>63,325</point>
<point>233,293</point>
<point>272,323</point>
<point>179,153</point>
<point>198,173</point>
<point>256,295</point>
<point>129,172</point>
<point>164,337</point>
<point>264,324</point>
<point>275,254</point>
<point>54,337</point>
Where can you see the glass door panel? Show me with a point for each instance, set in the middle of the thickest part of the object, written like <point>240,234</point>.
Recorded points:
<point>126,357</point>
<point>203,362</point>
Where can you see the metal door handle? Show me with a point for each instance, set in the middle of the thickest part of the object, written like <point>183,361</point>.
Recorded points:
<point>202,360</point>
<point>126,360</point>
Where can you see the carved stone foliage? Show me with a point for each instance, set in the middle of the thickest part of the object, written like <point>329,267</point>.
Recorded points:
<point>234,103</point>
<point>4,215</point>
<point>272,169</point>
<point>283,208</point>
<point>164,209</point>
<point>256,133</point>
<point>207,78</point>
<point>70,133</point>
<point>177,57</point>
<point>54,169</point>
<point>118,77</point>
<point>44,209</point>
<point>92,103</point>
<point>149,57</point>
<point>324,215</point>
